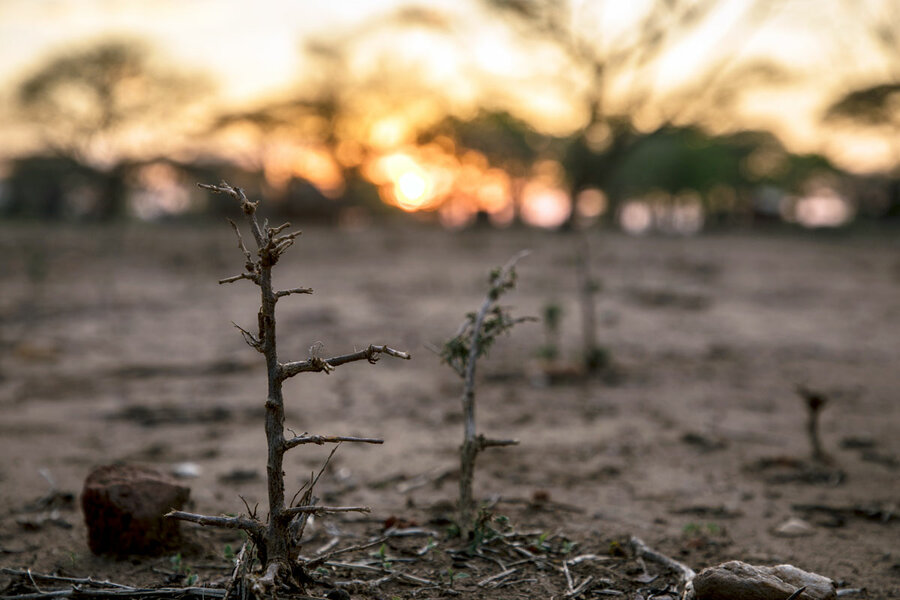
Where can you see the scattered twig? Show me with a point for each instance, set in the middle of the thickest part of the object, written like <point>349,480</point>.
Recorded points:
<point>409,532</point>
<point>641,549</point>
<point>77,592</point>
<point>585,557</point>
<point>565,570</point>
<point>581,588</point>
<point>315,562</point>
<point>487,581</point>
<point>75,580</point>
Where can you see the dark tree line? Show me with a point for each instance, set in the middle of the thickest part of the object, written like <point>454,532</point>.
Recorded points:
<point>107,111</point>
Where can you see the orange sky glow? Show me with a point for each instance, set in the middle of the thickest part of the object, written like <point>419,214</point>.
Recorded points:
<point>458,57</point>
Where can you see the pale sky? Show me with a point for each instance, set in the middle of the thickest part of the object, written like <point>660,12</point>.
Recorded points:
<point>254,51</point>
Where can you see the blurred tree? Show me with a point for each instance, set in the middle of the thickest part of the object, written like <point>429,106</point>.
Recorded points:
<point>316,119</point>
<point>40,185</point>
<point>506,141</point>
<point>875,108</point>
<point>101,107</point>
<point>687,158</point>
<point>625,76</point>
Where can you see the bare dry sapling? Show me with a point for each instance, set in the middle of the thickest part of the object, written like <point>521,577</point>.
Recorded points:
<point>552,313</point>
<point>473,339</point>
<point>815,402</point>
<point>277,540</point>
<point>593,355</point>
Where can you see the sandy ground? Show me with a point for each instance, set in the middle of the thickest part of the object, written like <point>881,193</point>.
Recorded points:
<point>117,345</point>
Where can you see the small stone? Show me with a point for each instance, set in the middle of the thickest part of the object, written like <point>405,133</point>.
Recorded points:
<point>794,527</point>
<point>337,594</point>
<point>186,470</point>
<point>736,580</point>
<point>124,508</point>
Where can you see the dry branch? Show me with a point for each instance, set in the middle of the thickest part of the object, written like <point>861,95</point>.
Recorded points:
<point>642,550</point>
<point>283,293</point>
<point>315,364</point>
<point>327,439</point>
<point>248,525</point>
<point>315,509</point>
<point>234,278</point>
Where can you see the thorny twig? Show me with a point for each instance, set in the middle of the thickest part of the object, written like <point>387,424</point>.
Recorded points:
<point>640,549</point>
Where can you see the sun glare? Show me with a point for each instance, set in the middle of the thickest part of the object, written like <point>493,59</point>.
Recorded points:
<point>312,164</point>
<point>823,208</point>
<point>545,206</point>
<point>411,188</point>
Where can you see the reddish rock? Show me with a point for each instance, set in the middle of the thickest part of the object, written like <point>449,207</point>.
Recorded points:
<point>124,508</point>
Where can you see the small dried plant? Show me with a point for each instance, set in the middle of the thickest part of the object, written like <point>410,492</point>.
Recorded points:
<point>461,352</point>
<point>594,356</point>
<point>814,401</point>
<point>552,314</point>
<point>277,540</point>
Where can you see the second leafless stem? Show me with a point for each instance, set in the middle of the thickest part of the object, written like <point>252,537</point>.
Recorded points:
<point>472,442</point>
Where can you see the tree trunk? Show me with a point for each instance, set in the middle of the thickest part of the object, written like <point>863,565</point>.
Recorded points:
<point>113,194</point>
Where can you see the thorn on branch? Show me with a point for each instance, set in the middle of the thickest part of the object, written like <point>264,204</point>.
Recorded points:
<point>251,512</point>
<point>249,338</point>
<point>484,442</point>
<point>241,245</point>
<point>310,485</point>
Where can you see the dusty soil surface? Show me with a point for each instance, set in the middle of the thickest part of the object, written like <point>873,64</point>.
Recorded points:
<point>116,345</point>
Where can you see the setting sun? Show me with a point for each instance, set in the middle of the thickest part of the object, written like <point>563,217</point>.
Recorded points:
<point>411,188</point>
